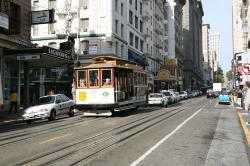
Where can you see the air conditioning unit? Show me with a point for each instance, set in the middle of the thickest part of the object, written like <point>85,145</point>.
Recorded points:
<point>85,7</point>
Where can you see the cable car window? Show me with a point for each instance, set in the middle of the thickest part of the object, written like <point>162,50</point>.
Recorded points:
<point>93,78</point>
<point>82,79</point>
<point>106,78</point>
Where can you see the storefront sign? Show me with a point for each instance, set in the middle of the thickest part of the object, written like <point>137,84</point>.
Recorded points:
<point>163,75</point>
<point>4,21</point>
<point>28,57</point>
<point>171,61</point>
<point>93,49</point>
<point>42,16</point>
<point>57,53</point>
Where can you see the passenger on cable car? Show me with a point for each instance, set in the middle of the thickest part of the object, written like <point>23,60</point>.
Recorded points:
<point>108,82</point>
<point>82,83</point>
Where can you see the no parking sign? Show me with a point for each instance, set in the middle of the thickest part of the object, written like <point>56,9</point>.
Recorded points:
<point>246,68</point>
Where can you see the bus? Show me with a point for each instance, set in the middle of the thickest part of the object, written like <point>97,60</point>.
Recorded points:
<point>110,84</point>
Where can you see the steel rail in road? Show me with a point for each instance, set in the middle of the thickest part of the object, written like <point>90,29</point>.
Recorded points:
<point>114,136</point>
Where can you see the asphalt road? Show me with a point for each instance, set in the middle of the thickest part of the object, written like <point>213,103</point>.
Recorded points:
<point>193,132</point>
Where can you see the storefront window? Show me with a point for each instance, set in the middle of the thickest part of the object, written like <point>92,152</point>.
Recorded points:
<point>106,78</point>
<point>93,78</point>
<point>82,79</point>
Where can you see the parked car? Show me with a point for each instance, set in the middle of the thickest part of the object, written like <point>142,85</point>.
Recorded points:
<point>210,94</point>
<point>169,95</point>
<point>177,95</point>
<point>224,97</point>
<point>49,107</point>
<point>183,95</point>
<point>157,99</point>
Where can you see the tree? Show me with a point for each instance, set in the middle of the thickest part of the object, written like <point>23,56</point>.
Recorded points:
<point>220,76</point>
<point>229,75</point>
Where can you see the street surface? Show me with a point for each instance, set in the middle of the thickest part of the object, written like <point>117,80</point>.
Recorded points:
<point>194,132</point>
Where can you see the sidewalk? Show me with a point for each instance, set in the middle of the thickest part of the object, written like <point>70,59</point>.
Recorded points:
<point>244,118</point>
<point>6,118</point>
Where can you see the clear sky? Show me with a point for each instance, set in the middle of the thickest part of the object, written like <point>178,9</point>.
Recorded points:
<point>218,13</point>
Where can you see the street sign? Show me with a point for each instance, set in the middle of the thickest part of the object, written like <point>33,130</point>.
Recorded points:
<point>246,68</point>
<point>42,16</point>
<point>240,69</point>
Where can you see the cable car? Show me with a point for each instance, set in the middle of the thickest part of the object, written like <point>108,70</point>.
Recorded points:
<point>110,84</point>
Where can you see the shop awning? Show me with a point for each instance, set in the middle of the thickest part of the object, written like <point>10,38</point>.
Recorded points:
<point>43,57</point>
<point>134,57</point>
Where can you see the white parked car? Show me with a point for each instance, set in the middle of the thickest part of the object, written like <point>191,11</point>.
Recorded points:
<point>169,95</point>
<point>157,99</point>
<point>50,107</point>
<point>183,95</point>
<point>177,96</point>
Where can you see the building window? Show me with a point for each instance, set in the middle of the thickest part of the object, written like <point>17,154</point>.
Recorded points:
<point>14,18</point>
<point>140,8</point>
<point>141,45</point>
<point>84,4</point>
<point>141,26</point>
<point>122,48</point>
<point>116,26</point>
<point>52,4</point>
<point>35,30</point>
<point>35,6</point>
<point>52,28</point>
<point>121,9</point>
<point>122,30</point>
<point>84,25</point>
<point>135,4</point>
<point>136,22</point>
<point>136,42</point>
<point>131,2</point>
<point>116,48</point>
<point>131,39</point>
<point>116,5</point>
<point>131,17</point>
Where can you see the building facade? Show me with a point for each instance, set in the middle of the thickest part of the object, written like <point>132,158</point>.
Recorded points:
<point>207,68</point>
<point>130,29</point>
<point>214,51</point>
<point>16,35</point>
<point>192,44</point>
<point>175,43</point>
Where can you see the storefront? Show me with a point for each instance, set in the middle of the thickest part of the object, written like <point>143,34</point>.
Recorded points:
<point>33,72</point>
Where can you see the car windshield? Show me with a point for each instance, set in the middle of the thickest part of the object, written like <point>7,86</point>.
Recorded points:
<point>167,93</point>
<point>47,100</point>
<point>224,93</point>
<point>155,96</point>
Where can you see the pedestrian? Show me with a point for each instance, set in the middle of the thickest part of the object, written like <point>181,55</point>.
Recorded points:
<point>239,98</point>
<point>247,96</point>
<point>13,101</point>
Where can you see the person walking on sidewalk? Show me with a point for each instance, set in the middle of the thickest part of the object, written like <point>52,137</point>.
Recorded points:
<point>239,95</point>
<point>247,96</point>
<point>13,101</point>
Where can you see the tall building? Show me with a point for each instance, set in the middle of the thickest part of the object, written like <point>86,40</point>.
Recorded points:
<point>192,44</point>
<point>214,48</point>
<point>175,42</point>
<point>238,40</point>
<point>14,34</point>
<point>132,29</point>
<point>206,56</point>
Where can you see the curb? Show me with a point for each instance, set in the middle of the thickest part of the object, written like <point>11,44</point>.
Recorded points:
<point>21,120</point>
<point>245,131</point>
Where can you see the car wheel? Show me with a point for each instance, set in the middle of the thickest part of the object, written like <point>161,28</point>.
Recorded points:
<point>71,112</point>
<point>52,115</point>
<point>28,121</point>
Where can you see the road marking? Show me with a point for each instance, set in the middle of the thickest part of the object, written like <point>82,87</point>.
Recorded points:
<point>13,120</point>
<point>56,138</point>
<point>216,104</point>
<point>244,127</point>
<point>136,162</point>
